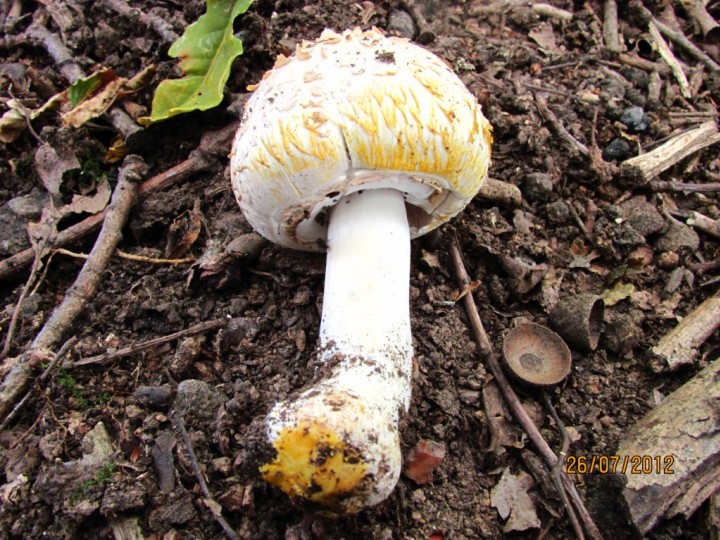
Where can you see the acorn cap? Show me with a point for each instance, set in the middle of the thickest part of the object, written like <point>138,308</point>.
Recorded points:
<point>536,355</point>
<point>350,112</point>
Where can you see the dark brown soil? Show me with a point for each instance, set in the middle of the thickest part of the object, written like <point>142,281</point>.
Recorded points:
<point>581,228</point>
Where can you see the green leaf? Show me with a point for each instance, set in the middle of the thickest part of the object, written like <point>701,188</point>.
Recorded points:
<point>83,88</point>
<point>206,51</point>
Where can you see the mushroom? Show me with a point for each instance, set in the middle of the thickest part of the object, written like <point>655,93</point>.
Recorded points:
<point>355,144</point>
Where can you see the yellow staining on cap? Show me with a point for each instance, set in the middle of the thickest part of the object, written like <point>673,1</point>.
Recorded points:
<point>313,463</point>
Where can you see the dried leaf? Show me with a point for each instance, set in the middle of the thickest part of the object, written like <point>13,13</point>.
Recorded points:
<point>510,498</point>
<point>12,123</point>
<point>183,233</point>
<point>206,51</point>
<point>90,204</point>
<point>544,36</point>
<point>112,88</point>
<point>15,120</point>
<point>620,291</point>
<point>51,165</point>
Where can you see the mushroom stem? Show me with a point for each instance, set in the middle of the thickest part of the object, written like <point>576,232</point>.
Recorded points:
<point>366,314</point>
<point>337,444</point>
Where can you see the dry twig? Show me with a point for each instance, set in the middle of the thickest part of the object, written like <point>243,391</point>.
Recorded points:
<point>610,27</point>
<point>45,374</point>
<point>139,347</point>
<point>85,286</point>
<point>212,504</point>
<point>705,224</point>
<point>680,345</point>
<point>676,37</point>
<point>645,167</point>
<point>669,58</point>
<point>673,186</point>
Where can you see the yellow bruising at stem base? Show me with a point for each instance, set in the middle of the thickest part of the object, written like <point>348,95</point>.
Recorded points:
<point>313,463</point>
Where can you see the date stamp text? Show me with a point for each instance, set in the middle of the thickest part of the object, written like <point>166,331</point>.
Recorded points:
<point>602,464</point>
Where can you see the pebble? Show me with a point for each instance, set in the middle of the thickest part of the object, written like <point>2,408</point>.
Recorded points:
<point>154,396</point>
<point>538,187</point>
<point>400,23</point>
<point>197,402</point>
<point>557,212</point>
<point>635,119</point>
<point>618,150</point>
<point>642,216</point>
<point>677,237</point>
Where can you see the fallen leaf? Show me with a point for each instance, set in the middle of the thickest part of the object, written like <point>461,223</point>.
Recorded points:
<point>111,88</point>
<point>206,51</point>
<point>52,164</point>
<point>510,498</point>
<point>90,204</point>
<point>619,292</point>
<point>183,233</point>
<point>544,36</point>
<point>15,120</point>
<point>12,123</point>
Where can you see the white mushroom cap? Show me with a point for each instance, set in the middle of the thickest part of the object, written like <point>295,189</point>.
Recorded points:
<point>350,112</point>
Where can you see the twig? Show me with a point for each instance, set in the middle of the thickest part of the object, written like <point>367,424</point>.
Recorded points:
<point>551,12</point>
<point>139,347</point>
<point>85,285</point>
<point>674,186</point>
<point>676,37</point>
<point>705,224</point>
<point>511,398</point>
<point>667,55</point>
<point>645,167</point>
<point>697,11</point>
<point>37,264</point>
<point>40,36</point>
<point>212,145</point>
<point>129,257</point>
<point>641,63</point>
<point>41,379</point>
<point>557,469</point>
<point>680,345</point>
<point>610,27</point>
<point>425,33</point>
<point>542,105</point>
<point>212,504</point>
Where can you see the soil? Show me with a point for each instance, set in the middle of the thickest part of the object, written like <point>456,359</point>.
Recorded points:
<point>582,227</point>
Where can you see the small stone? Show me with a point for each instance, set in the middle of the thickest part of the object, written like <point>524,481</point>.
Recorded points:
<point>302,297</point>
<point>642,216</point>
<point>635,119</point>
<point>29,206</point>
<point>668,260</point>
<point>154,396</point>
<point>538,187</point>
<point>677,237</point>
<point>400,23</point>
<point>618,150</point>
<point>557,212</point>
<point>197,402</point>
